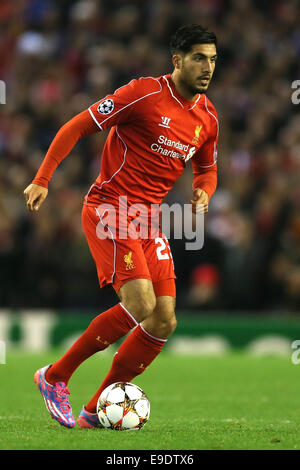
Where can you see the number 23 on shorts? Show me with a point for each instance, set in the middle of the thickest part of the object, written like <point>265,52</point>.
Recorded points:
<point>163,250</point>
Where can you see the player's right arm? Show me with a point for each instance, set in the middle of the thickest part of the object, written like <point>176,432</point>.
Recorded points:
<point>80,126</point>
<point>35,196</point>
<point>123,106</point>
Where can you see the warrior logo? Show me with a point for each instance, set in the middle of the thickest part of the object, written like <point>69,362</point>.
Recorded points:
<point>165,122</point>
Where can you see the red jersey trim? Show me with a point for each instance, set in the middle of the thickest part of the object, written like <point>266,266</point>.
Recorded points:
<point>90,111</point>
<point>171,91</point>
<point>123,162</point>
<point>196,101</point>
<point>117,171</point>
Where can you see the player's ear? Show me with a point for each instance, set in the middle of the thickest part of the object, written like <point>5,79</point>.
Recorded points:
<point>177,60</point>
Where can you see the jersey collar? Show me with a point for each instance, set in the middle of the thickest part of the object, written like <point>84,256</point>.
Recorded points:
<point>185,104</point>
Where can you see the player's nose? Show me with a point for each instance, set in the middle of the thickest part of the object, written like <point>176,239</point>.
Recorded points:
<point>207,67</point>
<point>208,70</point>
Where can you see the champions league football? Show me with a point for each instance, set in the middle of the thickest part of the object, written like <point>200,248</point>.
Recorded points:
<point>123,406</point>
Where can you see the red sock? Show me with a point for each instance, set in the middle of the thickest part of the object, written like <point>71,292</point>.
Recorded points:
<point>104,330</point>
<point>136,353</point>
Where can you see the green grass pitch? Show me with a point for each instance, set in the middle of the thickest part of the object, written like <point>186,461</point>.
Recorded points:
<point>230,402</point>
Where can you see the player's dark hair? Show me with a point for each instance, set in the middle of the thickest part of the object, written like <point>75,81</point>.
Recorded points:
<point>186,36</point>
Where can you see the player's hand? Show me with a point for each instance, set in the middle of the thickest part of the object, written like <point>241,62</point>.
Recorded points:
<point>35,196</point>
<point>200,202</point>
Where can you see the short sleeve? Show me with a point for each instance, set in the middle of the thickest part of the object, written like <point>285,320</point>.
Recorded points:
<point>124,105</point>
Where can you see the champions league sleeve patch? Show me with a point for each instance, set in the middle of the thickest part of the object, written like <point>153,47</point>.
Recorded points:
<point>106,107</point>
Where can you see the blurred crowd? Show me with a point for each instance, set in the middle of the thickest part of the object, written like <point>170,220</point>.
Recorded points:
<point>59,56</point>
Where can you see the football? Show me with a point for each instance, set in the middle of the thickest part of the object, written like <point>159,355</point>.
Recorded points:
<point>123,406</point>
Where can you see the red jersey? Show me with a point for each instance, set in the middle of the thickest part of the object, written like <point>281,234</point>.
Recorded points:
<point>154,133</point>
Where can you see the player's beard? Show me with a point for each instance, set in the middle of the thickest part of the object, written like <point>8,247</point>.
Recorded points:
<point>190,85</point>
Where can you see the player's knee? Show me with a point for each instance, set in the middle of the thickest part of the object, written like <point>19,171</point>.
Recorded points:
<point>138,298</point>
<point>168,327</point>
<point>162,328</point>
<point>173,325</point>
<point>140,307</point>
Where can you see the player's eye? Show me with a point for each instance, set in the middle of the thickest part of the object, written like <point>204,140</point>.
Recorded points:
<point>201,58</point>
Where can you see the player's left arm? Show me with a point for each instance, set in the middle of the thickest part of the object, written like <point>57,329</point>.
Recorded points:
<point>204,164</point>
<point>204,183</point>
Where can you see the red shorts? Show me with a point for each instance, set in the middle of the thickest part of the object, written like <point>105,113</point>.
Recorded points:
<point>121,260</point>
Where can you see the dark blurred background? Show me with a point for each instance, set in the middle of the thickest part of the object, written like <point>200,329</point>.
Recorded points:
<point>58,57</point>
